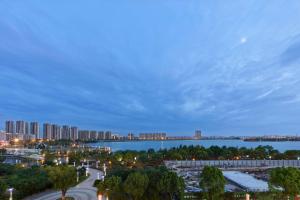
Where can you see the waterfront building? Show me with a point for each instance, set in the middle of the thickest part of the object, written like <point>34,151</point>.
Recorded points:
<point>10,126</point>
<point>197,135</point>
<point>26,128</point>
<point>65,132</point>
<point>130,136</point>
<point>93,135</point>
<point>55,132</point>
<point>152,136</point>
<point>180,138</point>
<point>107,135</point>
<point>83,135</point>
<point>100,135</point>
<point>20,127</point>
<point>47,131</point>
<point>34,129</point>
<point>74,133</point>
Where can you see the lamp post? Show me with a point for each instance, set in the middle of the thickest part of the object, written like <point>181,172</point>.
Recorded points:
<point>77,176</point>
<point>98,175</point>
<point>104,169</point>
<point>87,171</point>
<point>11,193</point>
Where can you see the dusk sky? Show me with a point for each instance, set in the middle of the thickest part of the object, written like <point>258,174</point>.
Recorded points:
<point>227,68</point>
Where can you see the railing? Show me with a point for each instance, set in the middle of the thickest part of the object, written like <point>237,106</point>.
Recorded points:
<point>227,164</point>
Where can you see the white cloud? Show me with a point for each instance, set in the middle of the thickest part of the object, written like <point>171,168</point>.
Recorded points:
<point>243,40</point>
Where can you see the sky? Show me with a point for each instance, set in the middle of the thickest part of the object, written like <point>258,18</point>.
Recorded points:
<point>145,66</point>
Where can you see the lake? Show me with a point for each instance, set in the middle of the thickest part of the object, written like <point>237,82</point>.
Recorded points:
<point>145,145</point>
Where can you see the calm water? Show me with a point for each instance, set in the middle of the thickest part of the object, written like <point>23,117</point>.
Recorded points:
<point>145,145</point>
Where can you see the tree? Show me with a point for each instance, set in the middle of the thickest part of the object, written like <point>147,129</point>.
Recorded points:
<point>136,184</point>
<point>212,182</point>
<point>62,177</point>
<point>110,187</point>
<point>3,188</point>
<point>286,178</point>
<point>171,184</point>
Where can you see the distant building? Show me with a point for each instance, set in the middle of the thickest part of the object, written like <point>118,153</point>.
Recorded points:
<point>108,135</point>
<point>3,136</point>
<point>83,135</point>
<point>55,132</point>
<point>10,127</point>
<point>180,138</point>
<point>130,136</point>
<point>20,127</point>
<point>74,133</point>
<point>27,132</point>
<point>197,135</point>
<point>47,133</point>
<point>34,129</point>
<point>93,135</point>
<point>152,136</point>
<point>65,132</point>
<point>100,135</point>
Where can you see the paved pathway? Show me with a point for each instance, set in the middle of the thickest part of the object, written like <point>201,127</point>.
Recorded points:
<point>83,191</point>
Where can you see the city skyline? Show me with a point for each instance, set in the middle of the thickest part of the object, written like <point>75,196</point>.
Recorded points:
<point>168,66</point>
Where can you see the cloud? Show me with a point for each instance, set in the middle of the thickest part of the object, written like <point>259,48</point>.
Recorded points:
<point>243,40</point>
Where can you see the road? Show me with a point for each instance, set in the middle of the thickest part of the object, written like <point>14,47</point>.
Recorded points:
<point>82,191</point>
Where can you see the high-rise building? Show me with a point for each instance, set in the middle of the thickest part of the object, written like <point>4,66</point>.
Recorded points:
<point>26,128</point>
<point>65,132</point>
<point>74,133</point>
<point>47,131</point>
<point>55,132</point>
<point>83,135</point>
<point>93,135</point>
<point>34,129</point>
<point>130,136</point>
<point>107,135</point>
<point>197,135</point>
<point>100,135</point>
<point>20,127</point>
<point>10,127</point>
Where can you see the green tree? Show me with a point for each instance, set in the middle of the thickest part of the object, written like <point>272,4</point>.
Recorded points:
<point>62,177</point>
<point>171,185</point>
<point>110,187</point>
<point>136,184</point>
<point>286,178</point>
<point>212,182</point>
<point>3,188</point>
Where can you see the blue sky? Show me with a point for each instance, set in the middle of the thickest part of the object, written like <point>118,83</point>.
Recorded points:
<point>227,68</point>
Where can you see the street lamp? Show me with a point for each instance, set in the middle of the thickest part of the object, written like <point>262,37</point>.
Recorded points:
<point>11,193</point>
<point>77,176</point>
<point>104,169</point>
<point>87,171</point>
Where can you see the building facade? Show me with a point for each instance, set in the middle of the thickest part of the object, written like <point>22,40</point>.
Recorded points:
<point>34,129</point>
<point>152,136</point>
<point>65,132</point>
<point>74,133</point>
<point>83,135</point>
<point>197,135</point>
<point>47,131</point>
<point>20,127</point>
<point>10,127</point>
